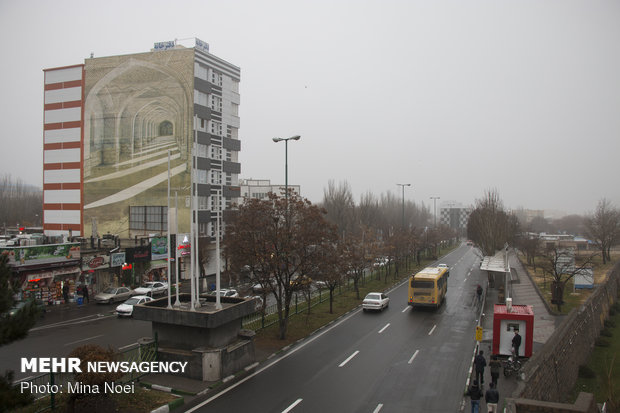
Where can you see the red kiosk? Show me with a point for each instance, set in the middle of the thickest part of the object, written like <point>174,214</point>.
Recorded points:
<point>506,319</point>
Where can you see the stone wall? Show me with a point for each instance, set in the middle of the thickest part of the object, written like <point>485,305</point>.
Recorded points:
<point>551,373</point>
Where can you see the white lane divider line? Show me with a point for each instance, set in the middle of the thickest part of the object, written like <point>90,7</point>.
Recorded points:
<point>378,409</point>
<point>383,329</point>
<point>432,329</point>
<point>84,339</point>
<point>288,409</point>
<point>406,308</point>
<point>348,359</point>
<point>413,357</point>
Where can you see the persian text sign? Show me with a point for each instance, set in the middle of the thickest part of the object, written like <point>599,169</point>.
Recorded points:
<point>43,254</point>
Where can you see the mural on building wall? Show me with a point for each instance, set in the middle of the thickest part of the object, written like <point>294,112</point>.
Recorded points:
<point>137,108</point>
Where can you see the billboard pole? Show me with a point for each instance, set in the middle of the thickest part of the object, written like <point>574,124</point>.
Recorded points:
<point>168,235</point>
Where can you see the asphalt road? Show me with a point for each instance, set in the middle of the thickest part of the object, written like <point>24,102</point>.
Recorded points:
<point>394,361</point>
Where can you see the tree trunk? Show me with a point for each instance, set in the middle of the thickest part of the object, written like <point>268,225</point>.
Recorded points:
<point>557,294</point>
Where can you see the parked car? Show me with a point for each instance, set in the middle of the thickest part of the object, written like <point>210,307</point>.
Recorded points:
<point>375,301</point>
<point>113,294</point>
<point>152,288</point>
<point>126,309</point>
<point>300,281</point>
<point>226,292</point>
<point>21,304</point>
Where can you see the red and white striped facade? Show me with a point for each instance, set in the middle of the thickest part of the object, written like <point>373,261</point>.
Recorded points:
<point>63,115</point>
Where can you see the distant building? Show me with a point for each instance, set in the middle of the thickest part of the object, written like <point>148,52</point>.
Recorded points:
<point>109,126</point>
<point>454,215</point>
<point>259,188</point>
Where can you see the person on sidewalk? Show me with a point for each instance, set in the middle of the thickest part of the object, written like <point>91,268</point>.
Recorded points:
<point>480,363</point>
<point>475,394</point>
<point>492,398</point>
<point>495,367</point>
<point>516,343</point>
<point>85,293</point>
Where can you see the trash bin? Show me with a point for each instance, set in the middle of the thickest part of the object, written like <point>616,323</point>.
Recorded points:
<point>80,300</point>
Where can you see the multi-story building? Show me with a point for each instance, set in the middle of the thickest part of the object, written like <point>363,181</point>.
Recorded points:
<point>259,188</point>
<point>116,128</point>
<point>455,216</point>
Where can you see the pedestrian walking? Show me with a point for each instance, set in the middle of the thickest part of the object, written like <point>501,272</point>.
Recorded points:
<point>492,398</point>
<point>495,366</point>
<point>65,292</point>
<point>475,394</point>
<point>516,343</point>
<point>479,293</point>
<point>480,363</point>
<point>85,293</point>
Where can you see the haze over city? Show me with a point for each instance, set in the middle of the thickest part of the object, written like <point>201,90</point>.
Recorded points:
<point>452,97</point>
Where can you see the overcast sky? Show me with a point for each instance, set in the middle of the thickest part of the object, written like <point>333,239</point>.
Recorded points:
<point>454,97</point>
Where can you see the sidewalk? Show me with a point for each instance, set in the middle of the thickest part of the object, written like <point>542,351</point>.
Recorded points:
<point>523,293</point>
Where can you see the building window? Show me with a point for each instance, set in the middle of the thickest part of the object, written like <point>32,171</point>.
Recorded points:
<point>201,72</point>
<point>148,218</point>
<point>216,128</point>
<point>201,176</point>
<point>216,78</point>
<point>202,150</point>
<point>216,103</point>
<point>216,177</point>
<point>201,98</point>
<point>216,152</point>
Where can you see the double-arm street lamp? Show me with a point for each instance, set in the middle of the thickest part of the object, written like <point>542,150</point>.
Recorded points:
<point>403,186</point>
<point>295,138</point>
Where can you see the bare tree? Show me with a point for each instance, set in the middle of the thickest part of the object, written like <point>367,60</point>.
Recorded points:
<point>20,204</point>
<point>489,225</point>
<point>277,239</point>
<point>604,227</point>
<point>338,201</point>
<point>563,266</point>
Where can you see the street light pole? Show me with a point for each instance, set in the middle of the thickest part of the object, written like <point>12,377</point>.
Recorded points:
<point>435,198</point>
<point>403,186</point>
<point>295,138</point>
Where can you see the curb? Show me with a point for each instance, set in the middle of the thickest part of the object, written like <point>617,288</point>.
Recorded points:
<point>170,406</point>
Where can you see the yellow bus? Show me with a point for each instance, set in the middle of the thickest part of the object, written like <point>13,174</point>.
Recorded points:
<point>428,287</point>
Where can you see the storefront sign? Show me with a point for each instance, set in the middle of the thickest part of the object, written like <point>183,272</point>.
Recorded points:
<point>52,273</point>
<point>138,254</point>
<point>94,262</point>
<point>42,254</point>
<point>159,248</point>
<point>117,259</point>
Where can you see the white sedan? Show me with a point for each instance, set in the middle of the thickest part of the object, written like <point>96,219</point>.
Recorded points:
<point>375,301</point>
<point>152,288</point>
<point>126,309</point>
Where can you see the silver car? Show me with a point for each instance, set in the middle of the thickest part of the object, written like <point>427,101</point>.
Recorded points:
<point>113,294</point>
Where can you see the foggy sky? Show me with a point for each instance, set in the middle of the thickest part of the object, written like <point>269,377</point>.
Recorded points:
<point>452,97</point>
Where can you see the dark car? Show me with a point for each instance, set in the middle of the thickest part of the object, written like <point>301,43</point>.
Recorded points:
<point>21,304</point>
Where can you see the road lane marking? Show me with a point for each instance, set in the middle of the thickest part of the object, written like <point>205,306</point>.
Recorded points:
<point>413,357</point>
<point>84,339</point>
<point>406,308</point>
<point>383,329</point>
<point>288,409</point>
<point>432,329</point>
<point>349,359</point>
<point>379,407</point>
<point>129,345</point>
